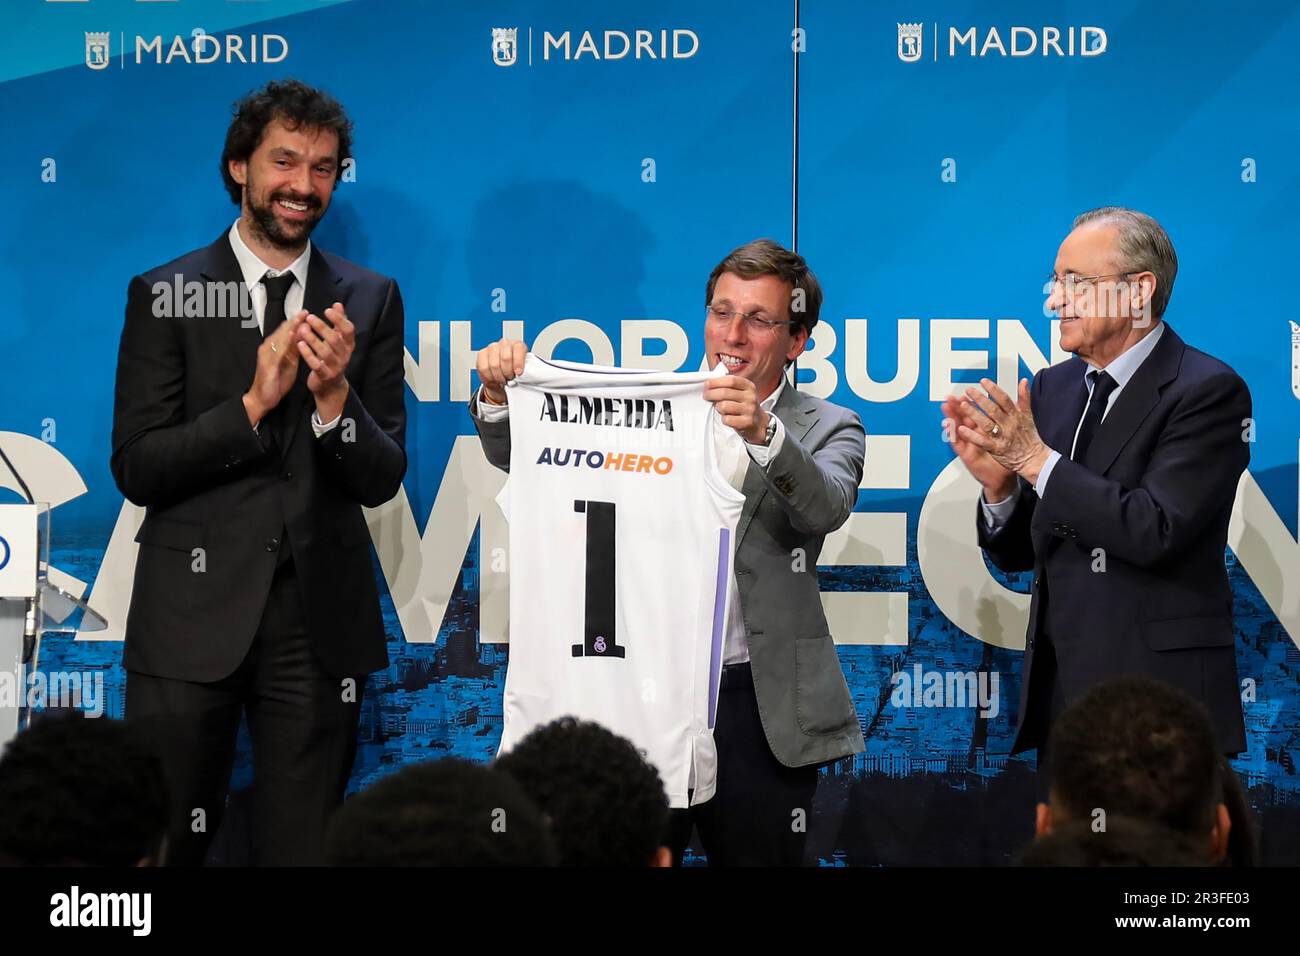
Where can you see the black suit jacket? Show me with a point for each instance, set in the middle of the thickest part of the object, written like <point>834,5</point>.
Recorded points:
<point>183,448</point>
<point>1154,493</point>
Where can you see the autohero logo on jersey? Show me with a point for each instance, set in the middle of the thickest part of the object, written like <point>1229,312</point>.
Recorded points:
<point>544,46</point>
<point>198,48</point>
<point>621,461</point>
<point>1004,41</point>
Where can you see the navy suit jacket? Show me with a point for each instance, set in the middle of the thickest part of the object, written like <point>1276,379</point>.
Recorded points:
<point>183,448</point>
<point>1154,494</point>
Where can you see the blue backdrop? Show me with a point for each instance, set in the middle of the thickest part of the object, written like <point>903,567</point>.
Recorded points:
<point>579,199</point>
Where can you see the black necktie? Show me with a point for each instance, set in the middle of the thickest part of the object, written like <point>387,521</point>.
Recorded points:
<point>277,289</point>
<point>1102,386</point>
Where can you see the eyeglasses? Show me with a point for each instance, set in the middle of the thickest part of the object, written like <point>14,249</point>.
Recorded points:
<point>754,321</point>
<point>1074,284</point>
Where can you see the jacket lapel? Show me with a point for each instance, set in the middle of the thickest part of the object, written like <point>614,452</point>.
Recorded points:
<point>753,489</point>
<point>1135,402</point>
<point>798,415</point>
<point>1059,431</point>
<point>240,332</point>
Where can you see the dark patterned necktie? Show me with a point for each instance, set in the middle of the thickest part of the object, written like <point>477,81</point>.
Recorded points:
<point>1102,386</point>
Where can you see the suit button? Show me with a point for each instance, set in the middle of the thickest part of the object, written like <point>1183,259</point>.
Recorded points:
<point>272,544</point>
<point>1037,580</point>
<point>287,475</point>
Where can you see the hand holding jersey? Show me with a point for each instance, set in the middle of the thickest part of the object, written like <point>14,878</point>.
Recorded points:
<point>499,363</point>
<point>736,400</point>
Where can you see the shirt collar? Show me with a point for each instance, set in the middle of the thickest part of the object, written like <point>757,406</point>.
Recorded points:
<point>1123,366</point>
<point>769,403</point>
<point>253,268</point>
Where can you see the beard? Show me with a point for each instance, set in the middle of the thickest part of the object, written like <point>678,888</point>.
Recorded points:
<point>278,233</point>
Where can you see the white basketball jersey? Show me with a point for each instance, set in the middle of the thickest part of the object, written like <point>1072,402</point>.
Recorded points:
<point>622,533</point>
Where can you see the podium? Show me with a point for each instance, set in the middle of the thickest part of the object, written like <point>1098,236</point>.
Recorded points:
<point>30,606</point>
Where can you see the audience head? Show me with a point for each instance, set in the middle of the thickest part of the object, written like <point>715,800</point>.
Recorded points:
<point>441,813</point>
<point>78,791</point>
<point>605,802</point>
<point>1138,748</point>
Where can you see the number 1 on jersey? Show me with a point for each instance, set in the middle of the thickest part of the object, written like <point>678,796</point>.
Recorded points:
<point>600,633</point>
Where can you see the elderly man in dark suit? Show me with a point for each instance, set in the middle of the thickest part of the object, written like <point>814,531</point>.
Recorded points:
<point>253,422</point>
<point>1112,478</point>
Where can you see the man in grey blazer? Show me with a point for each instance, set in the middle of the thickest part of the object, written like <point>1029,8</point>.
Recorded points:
<point>784,707</point>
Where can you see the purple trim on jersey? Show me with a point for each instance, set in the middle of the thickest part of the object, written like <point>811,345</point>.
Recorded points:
<point>719,621</point>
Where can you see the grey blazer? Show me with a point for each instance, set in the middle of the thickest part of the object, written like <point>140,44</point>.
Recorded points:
<point>806,492</point>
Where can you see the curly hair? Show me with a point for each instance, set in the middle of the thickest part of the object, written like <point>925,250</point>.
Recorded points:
<point>295,104</point>
<point>1139,748</point>
<point>81,791</point>
<point>606,803</point>
<point>446,812</point>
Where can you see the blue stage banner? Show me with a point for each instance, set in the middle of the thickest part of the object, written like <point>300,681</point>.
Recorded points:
<point>569,173</point>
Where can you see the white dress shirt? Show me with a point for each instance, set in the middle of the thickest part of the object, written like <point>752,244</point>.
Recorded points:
<point>1121,369</point>
<point>253,269</point>
<point>733,463</point>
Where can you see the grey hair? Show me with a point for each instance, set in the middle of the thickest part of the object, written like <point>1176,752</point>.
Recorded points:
<point>1144,246</point>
